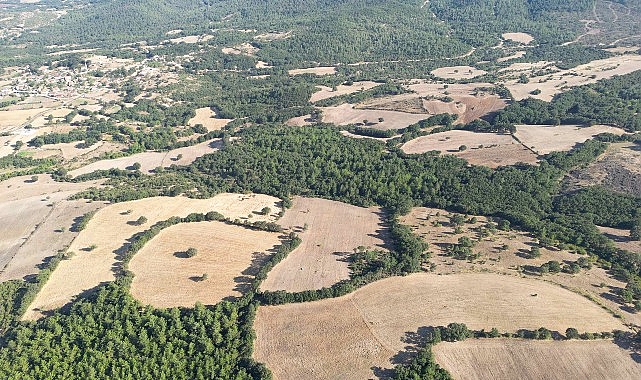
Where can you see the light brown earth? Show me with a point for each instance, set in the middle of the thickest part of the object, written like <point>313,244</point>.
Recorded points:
<point>345,114</point>
<point>321,70</point>
<point>621,238</point>
<point>546,138</point>
<point>489,149</point>
<point>354,136</point>
<point>16,118</point>
<point>365,328</point>
<point>458,72</point>
<point>206,117</point>
<point>246,49</point>
<point>334,230</point>
<point>325,92</point>
<point>516,55</point>
<point>523,38</point>
<point>150,160</point>
<point>507,359</point>
<point>503,252</point>
<point>110,229</point>
<point>300,121</point>
<point>230,255</point>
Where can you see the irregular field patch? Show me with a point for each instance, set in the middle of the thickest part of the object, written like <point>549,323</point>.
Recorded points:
<point>545,139</point>
<point>334,230</point>
<point>109,230</point>
<point>321,70</point>
<point>522,359</point>
<point>523,38</point>
<point>458,72</point>
<point>365,328</point>
<point>206,117</point>
<point>230,255</point>
<point>345,114</point>
<point>325,92</point>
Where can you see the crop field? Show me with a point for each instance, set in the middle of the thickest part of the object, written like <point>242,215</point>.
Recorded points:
<point>545,139</point>
<point>97,247</point>
<point>458,72</point>
<point>206,117</point>
<point>520,37</point>
<point>228,254</point>
<point>329,231</point>
<point>345,114</point>
<point>522,359</point>
<point>10,119</point>
<point>487,149</point>
<point>321,70</point>
<point>366,329</point>
<point>325,92</point>
<point>150,160</point>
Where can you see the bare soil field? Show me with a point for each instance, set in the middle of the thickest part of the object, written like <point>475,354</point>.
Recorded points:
<point>523,38</point>
<point>334,230</point>
<point>545,139</point>
<point>621,238</point>
<point>150,160</point>
<point>618,169</point>
<point>458,72</point>
<point>345,114</point>
<point>97,247</point>
<point>300,121</point>
<point>246,49</point>
<point>15,118</point>
<point>489,149</point>
<point>505,252</point>
<point>325,92</point>
<point>516,55</point>
<point>206,117</point>
<point>354,136</point>
<point>321,70</point>
<point>552,84</point>
<point>366,328</point>
<point>230,256</point>
<point>522,359</point>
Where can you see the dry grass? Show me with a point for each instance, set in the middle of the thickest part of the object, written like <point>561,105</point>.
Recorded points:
<point>347,114</point>
<point>110,229</point>
<point>497,359</point>
<point>334,230</point>
<point>206,117</point>
<point>150,160</point>
<point>245,49</point>
<point>621,238</point>
<point>365,329</point>
<point>487,149</point>
<point>228,254</point>
<point>545,139</point>
<point>321,70</point>
<point>523,38</point>
<point>15,118</point>
<point>325,92</point>
<point>458,72</point>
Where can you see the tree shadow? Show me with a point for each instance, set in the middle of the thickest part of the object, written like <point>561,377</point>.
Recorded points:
<point>416,341</point>
<point>631,343</point>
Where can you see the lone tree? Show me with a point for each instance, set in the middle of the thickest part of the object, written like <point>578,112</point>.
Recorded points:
<point>191,252</point>
<point>142,220</point>
<point>265,211</point>
<point>136,166</point>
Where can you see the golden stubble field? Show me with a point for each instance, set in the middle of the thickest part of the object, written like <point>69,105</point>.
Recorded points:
<point>334,230</point>
<point>507,359</point>
<point>230,256</point>
<point>109,230</point>
<point>545,139</point>
<point>365,329</point>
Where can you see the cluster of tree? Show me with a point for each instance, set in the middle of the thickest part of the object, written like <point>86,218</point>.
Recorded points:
<point>382,90</point>
<point>462,250</point>
<point>80,223</point>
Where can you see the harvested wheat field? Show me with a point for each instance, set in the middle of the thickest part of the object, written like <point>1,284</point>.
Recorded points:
<point>334,230</point>
<point>325,92</point>
<point>519,37</point>
<point>621,238</point>
<point>16,118</point>
<point>230,255</point>
<point>206,117</point>
<point>150,160</point>
<point>497,359</point>
<point>321,70</point>
<point>489,149</point>
<point>365,328</point>
<point>345,114</point>
<point>545,139</point>
<point>97,246</point>
<point>458,72</point>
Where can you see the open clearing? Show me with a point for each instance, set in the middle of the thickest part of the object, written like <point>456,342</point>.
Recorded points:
<point>334,230</point>
<point>150,160</point>
<point>545,139</point>
<point>523,38</point>
<point>365,328</point>
<point>345,114</point>
<point>497,359</point>
<point>206,117</point>
<point>16,118</point>
<point>505,252</point>
<point>321,70</point>
<point>109,230</point>
<point>489,149</point>
<point>621,238</point>
<point>458,72</point>
<point>325,92</point>
<point>230,255</point>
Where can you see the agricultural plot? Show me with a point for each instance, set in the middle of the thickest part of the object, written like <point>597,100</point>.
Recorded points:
<point>320,71</point>
<point>458,72</point>
<point>489,149</point>
<point>366,328</point>
<point>329,231</point>
<point>545,139</point>
<point>521,359</point>
<point>206,117</point>
<point>345,114</point>
<point>229,255</point>
<point>97,248</point>
<point>150,160</point>
<point>519,37</point>
<point>325,92</point>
